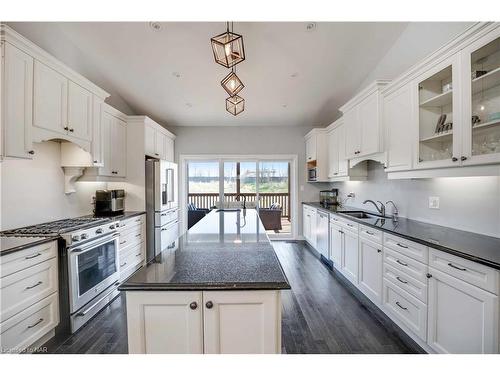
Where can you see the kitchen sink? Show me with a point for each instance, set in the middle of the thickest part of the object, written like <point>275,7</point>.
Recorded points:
<point>360,215</point>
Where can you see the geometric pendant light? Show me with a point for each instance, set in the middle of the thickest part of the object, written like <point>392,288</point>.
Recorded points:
<point>228,48</point>
<point>232,84</point>
<point>235,105</point>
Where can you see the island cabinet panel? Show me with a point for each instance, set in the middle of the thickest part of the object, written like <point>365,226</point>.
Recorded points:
<point>166,322</point>
<point>237,322</point>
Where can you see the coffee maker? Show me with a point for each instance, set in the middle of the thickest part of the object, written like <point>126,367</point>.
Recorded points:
<point>329,198</point>
<point>109,202</point>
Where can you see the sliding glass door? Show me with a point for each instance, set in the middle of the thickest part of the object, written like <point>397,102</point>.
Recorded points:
<point>264,185</point>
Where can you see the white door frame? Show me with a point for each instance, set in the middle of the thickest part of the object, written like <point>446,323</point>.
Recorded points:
<point>292,158</point>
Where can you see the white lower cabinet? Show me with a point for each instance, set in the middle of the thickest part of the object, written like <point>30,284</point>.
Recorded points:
<point>242,322</point>
<point>336,245</point>
<point>168,322</point>
<point>462,317</point>
<point>370,269</point>
<point>349,267</point>
<point>309,225</point>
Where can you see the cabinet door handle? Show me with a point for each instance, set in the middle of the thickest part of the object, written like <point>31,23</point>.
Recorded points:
<point>31,152</point>
<point>193,305</point>
<point>401,245</point>
<point>34,286</point>
<point>123,265</point>
<point>33,256</point>
<point>454,159</point>
<point>379,251</point>
<point>121,243</point>
<point>71,130</point>
<point>209,304</point>
<point>138,235</point>
<point>457,268</point>
<point>401,307</point>
<point>401,280</point>
<point>66,128</point>
<point>96,161</point>
<point>402,263</point>
<point>349,225</point>
<point>35,324</point>
<point>463,158</point>
<point>370,233</point>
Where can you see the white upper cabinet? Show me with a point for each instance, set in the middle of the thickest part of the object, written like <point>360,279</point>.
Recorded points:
<point>79,111</point>
<point>169,149</point>
<point>363,123</point>
<point>438,116</point>
<point>310,149</point>
<point>352,133</point>
<point>150,140</point>
<point>119,147</point>
<point>160,145</point>
<point>114,143</point>
<point>398,121</point>
<point>158,141</point>
<point>50,102</point>
<point>333,153</point>
<point>17,106</point>
<point>480,63</point>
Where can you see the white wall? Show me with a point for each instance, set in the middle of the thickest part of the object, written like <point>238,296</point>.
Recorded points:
<point>32,191</point>
<point>248,141</point>
<point>467,203</point>
<point>416,42</point>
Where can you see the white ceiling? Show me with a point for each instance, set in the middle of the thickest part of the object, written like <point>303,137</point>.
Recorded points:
<point>131,59</point>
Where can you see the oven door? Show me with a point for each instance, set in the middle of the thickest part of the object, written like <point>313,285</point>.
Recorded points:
<point>92,268</point>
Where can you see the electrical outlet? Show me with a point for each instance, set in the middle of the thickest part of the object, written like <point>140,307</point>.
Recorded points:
<point>434,203</point>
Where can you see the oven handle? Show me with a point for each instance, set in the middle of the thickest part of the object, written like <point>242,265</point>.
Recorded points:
<point>90,245</point>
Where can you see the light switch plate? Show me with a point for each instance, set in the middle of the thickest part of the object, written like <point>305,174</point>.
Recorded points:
<point>434,203</point>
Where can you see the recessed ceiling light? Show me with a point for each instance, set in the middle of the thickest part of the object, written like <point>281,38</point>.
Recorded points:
<point>189,105</point>
<point>311,26</point>
<point>155,26</point>
<point>176,74</point>
<point>295,74</point>
<point>284,105</point>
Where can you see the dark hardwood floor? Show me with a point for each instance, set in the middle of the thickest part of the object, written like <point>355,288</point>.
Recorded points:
<point>320,315</point>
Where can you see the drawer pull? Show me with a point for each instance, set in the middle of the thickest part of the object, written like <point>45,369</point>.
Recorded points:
<point>138,255</point>
<point>379,251</point>
<point>138,235</point>
<point>138,220</point>
<point>401,245</point>
<point>33,256</point>
<point>401,307</point>
<point>163,214</point>
<point>123,265</point>
<point>402,263</point>
<point>35,324</point>
<point>34,286</point>
<point>457,268</point>
<point>341,232</point>
<point>401,280</point>
<point>350,225</point>
<point>121,243</point>
<point>370,233</point>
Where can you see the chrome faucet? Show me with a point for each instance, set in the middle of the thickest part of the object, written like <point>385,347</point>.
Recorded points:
<point>381,210</point>
<point>395,211</point>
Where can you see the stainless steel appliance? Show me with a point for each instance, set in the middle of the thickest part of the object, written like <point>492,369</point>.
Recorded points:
<point>322,228</point>
<point>162,214</point>
<point>109,202</point>
<point>329,198</point>
<point>312,174</point>
<point>88,265</point>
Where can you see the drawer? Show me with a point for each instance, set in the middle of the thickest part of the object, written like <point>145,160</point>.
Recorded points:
<point>22,289</point>
<point>474,273</point>
<point>406,265</point>
<point>30,325</point>
<point>130,239</point>
<point>134,255</point>
<point>405,309</point>
<point>409,248</point>
<point>133,221</point>
<point>344,223</point>
<point>414,287</point>
<point>370,233</point>
<point>22,259</point>
<point>167,216</point>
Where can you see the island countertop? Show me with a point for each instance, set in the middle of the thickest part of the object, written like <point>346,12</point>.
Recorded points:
<point>227,250</point>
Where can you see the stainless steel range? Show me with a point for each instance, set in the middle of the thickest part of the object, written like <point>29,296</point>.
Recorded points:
<point>88,264</point>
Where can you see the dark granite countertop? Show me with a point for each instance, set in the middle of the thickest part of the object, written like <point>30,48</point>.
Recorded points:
<point>9,245</point>
<point>224,251</point>
<point>473,246</point>
<point>125,215</point>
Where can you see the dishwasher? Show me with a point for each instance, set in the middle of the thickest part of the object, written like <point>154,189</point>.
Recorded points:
<point>322,228</point>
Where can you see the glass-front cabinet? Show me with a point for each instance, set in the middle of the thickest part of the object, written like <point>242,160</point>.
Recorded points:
<point>481,76</point>
<point>438,117</point>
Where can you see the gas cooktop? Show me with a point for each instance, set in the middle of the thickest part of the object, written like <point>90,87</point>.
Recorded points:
<point>55,228</point>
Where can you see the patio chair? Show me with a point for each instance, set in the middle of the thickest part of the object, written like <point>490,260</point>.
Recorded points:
<point>271,217</point>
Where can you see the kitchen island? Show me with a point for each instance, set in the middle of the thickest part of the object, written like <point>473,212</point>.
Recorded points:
<point>217,289</point>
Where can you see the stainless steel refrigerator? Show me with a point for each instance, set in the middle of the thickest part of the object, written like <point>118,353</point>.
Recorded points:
<point>162,211</point>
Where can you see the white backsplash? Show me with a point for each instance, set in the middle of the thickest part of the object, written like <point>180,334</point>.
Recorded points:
<point>467,203</point>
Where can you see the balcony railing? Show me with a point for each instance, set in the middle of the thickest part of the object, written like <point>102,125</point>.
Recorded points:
<point>209,200</point>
